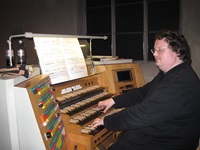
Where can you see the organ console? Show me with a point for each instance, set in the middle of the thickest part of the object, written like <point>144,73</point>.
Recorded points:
<point>78,106</point>
<point>59,116</point>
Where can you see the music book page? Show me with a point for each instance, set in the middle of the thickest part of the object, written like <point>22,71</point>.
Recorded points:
<point>61,58</point>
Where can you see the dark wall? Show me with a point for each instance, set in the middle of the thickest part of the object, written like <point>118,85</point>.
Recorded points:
<point>38,16</point>
<point>190,27</point>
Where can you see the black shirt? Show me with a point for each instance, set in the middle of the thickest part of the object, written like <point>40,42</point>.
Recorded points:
<point>164,112</point>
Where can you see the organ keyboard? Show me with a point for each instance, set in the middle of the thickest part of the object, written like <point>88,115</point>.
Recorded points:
<point>79,109</point>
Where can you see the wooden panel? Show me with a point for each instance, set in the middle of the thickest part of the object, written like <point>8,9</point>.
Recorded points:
<point>107,77</point>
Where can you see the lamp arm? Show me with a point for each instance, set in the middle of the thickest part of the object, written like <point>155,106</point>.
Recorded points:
<point>31,35</point>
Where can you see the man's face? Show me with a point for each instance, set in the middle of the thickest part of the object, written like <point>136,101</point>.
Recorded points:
<point>165,58</point>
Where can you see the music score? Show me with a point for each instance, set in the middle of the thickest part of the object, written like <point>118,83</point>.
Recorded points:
<point>61,58</point>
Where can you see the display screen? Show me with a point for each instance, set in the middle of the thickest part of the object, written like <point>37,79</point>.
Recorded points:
<point>124,75</point>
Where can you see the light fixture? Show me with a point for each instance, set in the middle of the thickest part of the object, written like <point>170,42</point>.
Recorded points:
<point>32,35</point>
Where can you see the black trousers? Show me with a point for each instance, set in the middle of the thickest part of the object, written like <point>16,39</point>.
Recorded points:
<point>124,143</point>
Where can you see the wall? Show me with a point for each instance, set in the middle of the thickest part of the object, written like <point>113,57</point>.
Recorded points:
<point>149,70</point>
<point>191,29</point>
<point>38,16</point>
<point>67,17</point>
<point>190,24</point>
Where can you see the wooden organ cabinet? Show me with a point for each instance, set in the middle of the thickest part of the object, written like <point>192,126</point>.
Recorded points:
<point>120,78</point>
<point>59,117</point>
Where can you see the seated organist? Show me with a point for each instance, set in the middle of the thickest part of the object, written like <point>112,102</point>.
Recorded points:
<point>163,114</point>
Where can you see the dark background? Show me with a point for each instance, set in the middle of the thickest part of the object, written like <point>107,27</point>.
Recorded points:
<point>37,16</point>
<point>76,17</point>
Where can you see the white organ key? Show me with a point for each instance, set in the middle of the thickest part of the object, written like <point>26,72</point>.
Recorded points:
<point>90,112</point>
<point>60,99</point>
<point>85,114</point>
<point>90,128</point>
<point>63,111</point>
<point>79,117</point>
<point>85,131</point>
<point>73,121</point>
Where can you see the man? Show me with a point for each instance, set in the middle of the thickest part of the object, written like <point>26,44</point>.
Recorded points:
<point>164,114</point>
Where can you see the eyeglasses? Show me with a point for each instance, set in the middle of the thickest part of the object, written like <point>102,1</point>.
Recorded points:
<point>159,50</point>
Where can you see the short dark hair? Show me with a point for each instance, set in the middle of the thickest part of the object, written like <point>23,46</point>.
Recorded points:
<point>177,43</point>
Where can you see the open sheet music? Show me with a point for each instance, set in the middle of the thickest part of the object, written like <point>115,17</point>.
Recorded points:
<point>61,58</point>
